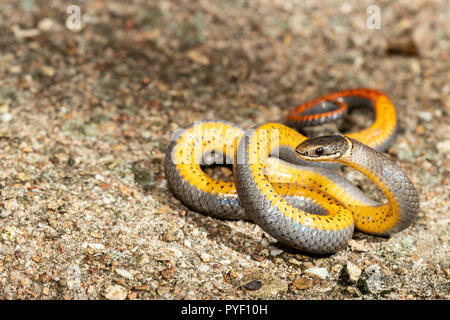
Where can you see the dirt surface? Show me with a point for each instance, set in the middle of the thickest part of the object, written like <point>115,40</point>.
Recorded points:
<point>87,116</point>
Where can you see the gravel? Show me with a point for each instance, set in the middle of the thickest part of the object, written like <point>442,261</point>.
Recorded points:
<point>87,115</point>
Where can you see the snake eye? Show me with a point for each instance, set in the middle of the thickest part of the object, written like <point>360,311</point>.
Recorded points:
<point>319,151</point>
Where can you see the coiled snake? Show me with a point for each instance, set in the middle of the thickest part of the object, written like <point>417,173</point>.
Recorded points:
<point>285,182</point>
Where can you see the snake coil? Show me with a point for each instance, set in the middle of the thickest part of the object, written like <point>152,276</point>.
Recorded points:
<point>279,185</point>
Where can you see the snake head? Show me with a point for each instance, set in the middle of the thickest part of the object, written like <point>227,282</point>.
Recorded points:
<point>325,148</point>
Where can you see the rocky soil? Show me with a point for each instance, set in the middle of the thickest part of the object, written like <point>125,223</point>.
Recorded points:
<point>86,116</point>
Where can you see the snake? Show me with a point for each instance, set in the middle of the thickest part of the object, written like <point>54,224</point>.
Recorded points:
<point>288,184</point>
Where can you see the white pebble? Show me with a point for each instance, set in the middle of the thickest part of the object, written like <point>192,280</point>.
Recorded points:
<point>146,134</point>
<point>176,252</point>
<point>5,213</point>
<point>203,267</point>
<point>374,282</point>
<point>11,204</point>
<point>353,271</point>
<point>187,243</point>
<point>6,117</point>
<point>108,199</point>
<point>443,146</point>
<point>124,273</point>
<point>96,246</point>
<point>205,257</point>
<point>73,276</point>
<point>275,252</point>
<point>116,293</point>
<point>346,8</point>
<point>320,273</point>
<point>46,24</point>
<point>425,115</point>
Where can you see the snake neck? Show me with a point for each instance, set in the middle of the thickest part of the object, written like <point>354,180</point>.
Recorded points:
<point>402,197</point>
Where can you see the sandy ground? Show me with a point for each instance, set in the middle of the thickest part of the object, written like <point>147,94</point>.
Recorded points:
<point>85,211</point>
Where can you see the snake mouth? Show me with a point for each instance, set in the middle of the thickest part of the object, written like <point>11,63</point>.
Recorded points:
<point>316,156</point>
<point>324,148</point>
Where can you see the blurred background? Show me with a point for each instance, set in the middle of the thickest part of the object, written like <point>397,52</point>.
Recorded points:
<point>90,92</point>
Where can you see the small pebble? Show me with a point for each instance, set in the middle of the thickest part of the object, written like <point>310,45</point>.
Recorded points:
<point>197,56</point>
<point>320,273</point>
<point>447,273</point>
<point>187,243</point>
<point>28,33</point>
<point>22,176</point>
<point>11,204</point>
<point>294,262</point>
<point>420,130</point>
<point>357,245</point>
<point>346,8</point>
<point>443,147</point>
<point>46,24</point>
<point>143,259</point>
<point>124,273</point>
<point>48,71</point>
<point>8,233</point>
<point>205,257</point>
<point>173,235</point>
<point>302,283</point>
<point>168,273</point>
<point>374,283</point>
<point>15,69</point>
<point>26,149</point>
<point>6,117</point>
<point>116,292</point>
<point>145,287</point>
<point>203,267</point>
<point>253,285</point>
<point>132,296</point>
<point>4,107</point>
<point>275,252</point>
<point>336,268</point>
<point>53,205</point>
<point>5,213</point>
<point>425,115</point>
<point>124,190</point>
<point>96,246</point>
<point>162,291</point>
<point>354,291</point>
<point>353,271</point>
